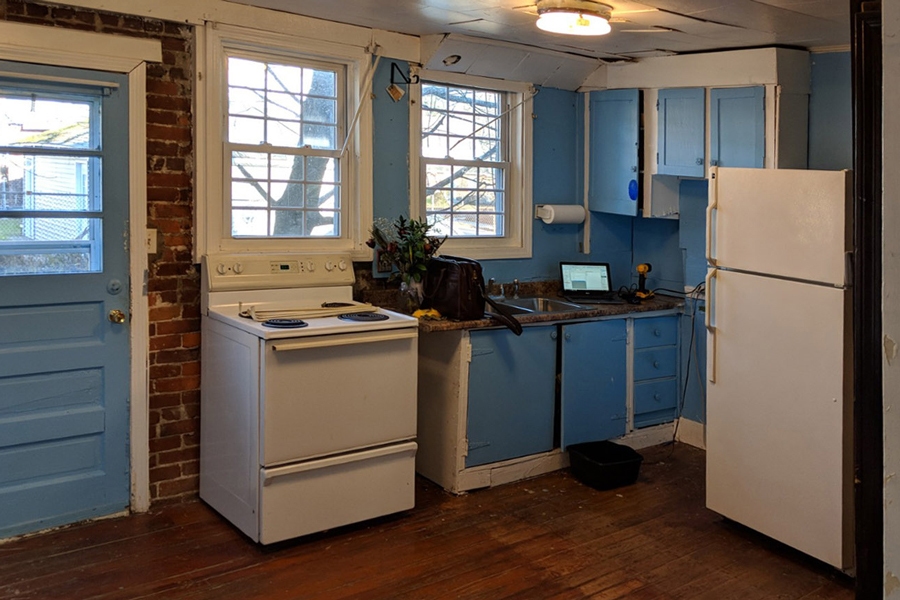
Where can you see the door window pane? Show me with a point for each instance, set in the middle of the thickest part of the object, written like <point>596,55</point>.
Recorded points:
<point>33,246</point>
<point>50,167</point>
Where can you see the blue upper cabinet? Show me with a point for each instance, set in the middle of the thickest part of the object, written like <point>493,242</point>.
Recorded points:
<point>737,122</point>
<point>615,143</point>
<point>682,132</point>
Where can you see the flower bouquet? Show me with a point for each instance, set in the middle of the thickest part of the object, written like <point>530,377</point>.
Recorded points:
<point>405,243</point>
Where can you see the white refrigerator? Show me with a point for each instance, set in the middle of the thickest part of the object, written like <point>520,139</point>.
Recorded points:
<point>779,396</point>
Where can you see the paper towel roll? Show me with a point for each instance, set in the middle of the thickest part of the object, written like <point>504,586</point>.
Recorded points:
<point>555,214</point>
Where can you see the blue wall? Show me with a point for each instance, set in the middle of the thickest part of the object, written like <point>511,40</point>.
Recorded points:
<point>557,179</point>
<point>556,174</point>
<point>831,112</point>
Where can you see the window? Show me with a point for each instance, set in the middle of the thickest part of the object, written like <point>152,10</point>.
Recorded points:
<point>50,192</point>
<point>293,187</point>
<point>473,142</point>
<point>282,174</point>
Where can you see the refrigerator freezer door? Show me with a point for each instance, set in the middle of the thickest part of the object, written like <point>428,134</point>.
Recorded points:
<point>785,222</point>
<point>779,417</point>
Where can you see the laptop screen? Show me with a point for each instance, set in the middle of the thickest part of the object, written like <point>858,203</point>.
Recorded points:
<point>584,278</point>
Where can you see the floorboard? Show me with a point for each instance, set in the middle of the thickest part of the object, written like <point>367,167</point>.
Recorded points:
<point>546,538</point>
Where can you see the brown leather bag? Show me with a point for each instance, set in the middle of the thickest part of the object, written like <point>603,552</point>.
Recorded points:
<point>454,287</point>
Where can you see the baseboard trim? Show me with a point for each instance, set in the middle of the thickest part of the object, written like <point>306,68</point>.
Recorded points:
<point>692,433</point>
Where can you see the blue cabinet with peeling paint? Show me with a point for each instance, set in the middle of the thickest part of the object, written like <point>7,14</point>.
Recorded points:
<point>512,394</point>
<point>682,132</point>
<point>593,383</point>
<point>737,127</point>
<point>655,370</point>
<point>615,122</point>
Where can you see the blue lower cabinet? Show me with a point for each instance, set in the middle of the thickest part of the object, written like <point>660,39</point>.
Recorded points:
<point>656,373</point>
<point>512,393</point>
<point>593,382</point>
<point>655,402</point>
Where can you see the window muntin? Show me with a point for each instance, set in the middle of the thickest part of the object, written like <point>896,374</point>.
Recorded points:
<point>50,191</point>
<point>284,138</point>
<point>464,154</point>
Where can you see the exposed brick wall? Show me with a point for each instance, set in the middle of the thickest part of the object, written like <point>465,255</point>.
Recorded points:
<point>174,284</point>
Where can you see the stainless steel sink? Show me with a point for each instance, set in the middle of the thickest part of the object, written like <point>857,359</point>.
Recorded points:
<point>537,304</point>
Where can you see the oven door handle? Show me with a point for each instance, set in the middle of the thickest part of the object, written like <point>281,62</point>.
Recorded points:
<point>327,341</point>
<point>272,473</point>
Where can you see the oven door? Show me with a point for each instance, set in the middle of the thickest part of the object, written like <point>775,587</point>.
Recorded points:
<point>330,394</point>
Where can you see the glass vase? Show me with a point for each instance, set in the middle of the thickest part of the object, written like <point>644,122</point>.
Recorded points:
<point>410,296</point>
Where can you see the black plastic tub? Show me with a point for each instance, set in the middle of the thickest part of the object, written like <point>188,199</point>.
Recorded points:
<point>604,465</point>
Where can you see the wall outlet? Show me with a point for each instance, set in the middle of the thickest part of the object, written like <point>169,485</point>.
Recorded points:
<point>150,241</point>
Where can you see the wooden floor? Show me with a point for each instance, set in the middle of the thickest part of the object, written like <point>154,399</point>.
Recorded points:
<point>545,538</point>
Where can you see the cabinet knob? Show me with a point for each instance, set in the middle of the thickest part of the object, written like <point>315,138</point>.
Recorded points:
<point>713,162</point>
<point>552,335</point>
<point>655,364</point>
<point>568,336</point>
<point>657,332</point>
<point>699,161</point>
<point>634,169</point>
<point>656,396</point>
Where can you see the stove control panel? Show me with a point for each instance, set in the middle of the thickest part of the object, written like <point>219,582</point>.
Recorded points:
<point>222,272</point>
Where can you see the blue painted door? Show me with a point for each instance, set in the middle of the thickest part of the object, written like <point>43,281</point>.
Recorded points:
<point>615,143</point>
<point>737,127</point>
<point>512,394</point>
<point>594,385</point>
<point>64,365</point>
<point>682,132</point>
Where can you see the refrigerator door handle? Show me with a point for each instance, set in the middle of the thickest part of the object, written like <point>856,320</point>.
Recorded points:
<point>712,208</point>
<point>710,322</point>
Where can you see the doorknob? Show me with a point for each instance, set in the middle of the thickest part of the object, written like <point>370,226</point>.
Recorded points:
<point>116,316</point>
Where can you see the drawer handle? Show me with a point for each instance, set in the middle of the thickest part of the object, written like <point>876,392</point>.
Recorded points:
<point>655,364</point>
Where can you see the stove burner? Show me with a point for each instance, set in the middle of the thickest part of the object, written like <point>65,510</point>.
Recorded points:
<point>336,304</point>
<point>364,316</point>
<point>285,323</point>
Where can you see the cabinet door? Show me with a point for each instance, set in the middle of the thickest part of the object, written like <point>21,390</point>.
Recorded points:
<point>682,132</point>
<point>593,381</point>
<point>737,127</point>
<point>512,394</point>
<point>615,143</point>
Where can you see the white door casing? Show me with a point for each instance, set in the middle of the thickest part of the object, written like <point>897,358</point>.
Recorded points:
<point>118,54</point>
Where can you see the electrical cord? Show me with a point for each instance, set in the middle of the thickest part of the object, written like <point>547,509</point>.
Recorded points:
<point>694,295</point>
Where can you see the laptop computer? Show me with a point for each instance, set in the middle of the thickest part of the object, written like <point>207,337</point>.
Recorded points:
<point>587,283</point>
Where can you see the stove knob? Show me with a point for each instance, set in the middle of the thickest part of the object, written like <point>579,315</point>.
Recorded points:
<point>221,268</point>
<point>310,266</point>
<point>329,266</point>
<point>238,268</point>
<point>342,265</point>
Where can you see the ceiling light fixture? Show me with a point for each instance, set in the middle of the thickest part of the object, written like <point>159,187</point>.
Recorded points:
<point>573,17</point>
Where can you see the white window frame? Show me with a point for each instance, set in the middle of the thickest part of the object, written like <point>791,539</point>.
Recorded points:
<point>516,243</point>
<point>212,202</point>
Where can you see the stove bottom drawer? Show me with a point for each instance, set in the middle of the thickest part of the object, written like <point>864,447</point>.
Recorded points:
<point>317,495</point>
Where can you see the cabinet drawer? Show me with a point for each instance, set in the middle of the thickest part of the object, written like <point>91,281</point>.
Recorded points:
<point>655,395</point>
<point>655,363</point>
<point>655,331</point>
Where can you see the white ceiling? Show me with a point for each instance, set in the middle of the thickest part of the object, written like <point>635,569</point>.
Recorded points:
<point>646,28</point>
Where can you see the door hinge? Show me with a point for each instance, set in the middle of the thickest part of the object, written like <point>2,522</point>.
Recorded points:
<point>657,158</point>
<point>657,105</point>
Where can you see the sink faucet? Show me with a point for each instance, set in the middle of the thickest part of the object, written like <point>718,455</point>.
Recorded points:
<point>515,288</point>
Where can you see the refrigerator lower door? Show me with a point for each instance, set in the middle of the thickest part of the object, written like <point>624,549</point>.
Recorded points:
<point>779,415</point>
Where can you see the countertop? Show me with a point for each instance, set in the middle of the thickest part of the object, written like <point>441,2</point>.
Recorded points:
<point>656,303</point>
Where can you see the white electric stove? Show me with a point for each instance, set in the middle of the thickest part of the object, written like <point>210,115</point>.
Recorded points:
<point>308,399</point>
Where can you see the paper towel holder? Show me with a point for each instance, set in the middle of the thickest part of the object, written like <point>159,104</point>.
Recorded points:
<point>544,212</point>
